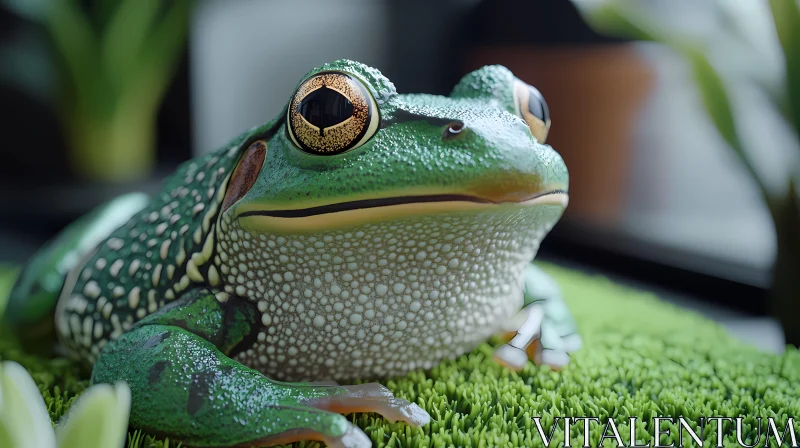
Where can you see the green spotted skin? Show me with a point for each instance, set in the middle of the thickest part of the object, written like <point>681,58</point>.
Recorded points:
<point>263,263</point>
<point>160,252</point>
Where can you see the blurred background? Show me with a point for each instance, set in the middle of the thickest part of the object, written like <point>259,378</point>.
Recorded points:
<point>100,97</point>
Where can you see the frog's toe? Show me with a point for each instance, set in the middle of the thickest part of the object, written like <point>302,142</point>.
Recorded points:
<point>556,359</point>
<point>352,438</point>
<point>513,358</point>
<point>522,345</point>
<point>555,351</point>
<point>370,397</point>
<point>571,343</point>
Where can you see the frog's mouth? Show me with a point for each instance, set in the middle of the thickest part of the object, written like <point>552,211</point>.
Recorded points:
<point>386,202</point>
<point>350,213</point>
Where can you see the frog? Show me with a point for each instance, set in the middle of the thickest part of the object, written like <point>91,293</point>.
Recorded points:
<point>359,234</point>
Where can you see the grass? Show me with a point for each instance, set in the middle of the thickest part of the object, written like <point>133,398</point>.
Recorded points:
<point>641,358</point>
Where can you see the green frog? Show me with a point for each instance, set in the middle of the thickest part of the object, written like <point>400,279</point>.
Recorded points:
<point>361,233</point>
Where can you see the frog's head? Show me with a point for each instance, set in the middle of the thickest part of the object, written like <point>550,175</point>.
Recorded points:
<point>349,150</point>
<point>360,216</point>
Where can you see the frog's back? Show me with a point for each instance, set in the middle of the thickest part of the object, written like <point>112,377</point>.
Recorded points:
<point>148,261</point>
<point>33,298</point>
<point>124,260</point>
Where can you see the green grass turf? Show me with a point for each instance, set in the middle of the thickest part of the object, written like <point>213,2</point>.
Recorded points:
<point>641,358</point>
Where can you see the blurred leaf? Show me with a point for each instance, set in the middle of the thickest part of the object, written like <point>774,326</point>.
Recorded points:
<point>76,43</point>
<point>786,14</point>
<point>784,303</point>
<point>8,276</point>
<point>98,419</point>
<point>738,26</point>
<point>123,40</point>
<point>23,416</point>
<point>717,104</point>
<point>100,12</point>
<point>793,204</point>
<point>614,18</point>
<point>161,50</point>
<point>619,17</point>
<point>715,100</point>
<point>33,10</point>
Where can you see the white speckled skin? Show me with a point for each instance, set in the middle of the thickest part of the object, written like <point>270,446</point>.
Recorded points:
<point>381,299</point>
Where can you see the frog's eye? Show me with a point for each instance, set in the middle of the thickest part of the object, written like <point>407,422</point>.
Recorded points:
<point>453,129</point>
<point>531,107</point>
<point>330,113</point>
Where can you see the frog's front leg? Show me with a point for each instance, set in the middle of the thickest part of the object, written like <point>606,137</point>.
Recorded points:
<point>546,333</point>
<point>184,384</point>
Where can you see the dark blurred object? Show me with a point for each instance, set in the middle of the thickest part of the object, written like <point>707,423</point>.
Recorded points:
<point>782,197</point>
<point>594,86</point>
<point>104,68</point>
<point>533,22</point>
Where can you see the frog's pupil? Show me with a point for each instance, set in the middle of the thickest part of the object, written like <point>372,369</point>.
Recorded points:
<point>537,106</point>
<point>325,107</point>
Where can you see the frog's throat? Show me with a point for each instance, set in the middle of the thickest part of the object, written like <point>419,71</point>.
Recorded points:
<point>354,213</point>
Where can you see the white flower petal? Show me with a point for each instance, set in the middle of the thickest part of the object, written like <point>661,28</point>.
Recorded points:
<point>98,419</point>
<point>24,420</point>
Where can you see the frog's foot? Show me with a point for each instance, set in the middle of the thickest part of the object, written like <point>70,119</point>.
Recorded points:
<point>547,333</point>
<point>325,402</point>
<point>182,386</point>
<point>370,397</point>
<point>538,340</point>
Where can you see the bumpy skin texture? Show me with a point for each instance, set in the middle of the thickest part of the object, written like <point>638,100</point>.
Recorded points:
<point>495,153</point>
<point>411,248</point>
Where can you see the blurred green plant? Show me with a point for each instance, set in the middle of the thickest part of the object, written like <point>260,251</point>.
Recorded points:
<point>105,65</point>
<point>782,198</point>
<point>98,419</point>
<point>8,275</point>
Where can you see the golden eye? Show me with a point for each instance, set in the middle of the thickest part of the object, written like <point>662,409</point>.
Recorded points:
<point>532,108</point>
<point>330,113</point>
